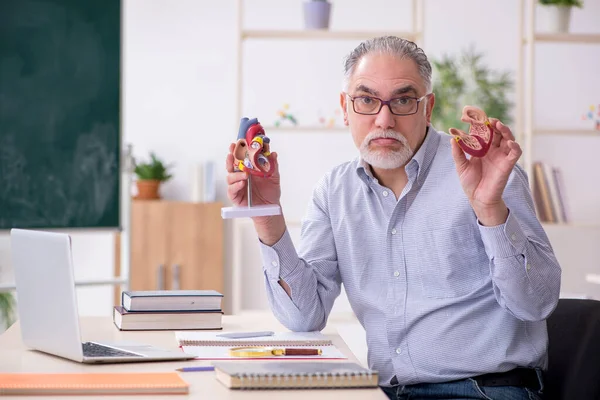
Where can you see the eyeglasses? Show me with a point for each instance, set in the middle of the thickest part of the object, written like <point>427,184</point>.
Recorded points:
<point>369,105</point>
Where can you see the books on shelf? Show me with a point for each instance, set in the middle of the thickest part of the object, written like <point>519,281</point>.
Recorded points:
<point>169,310</point>
<point>294,375</point>
<point>549,194</point>
<point>92,383</point>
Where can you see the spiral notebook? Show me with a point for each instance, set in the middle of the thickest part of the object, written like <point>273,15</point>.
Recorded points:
<point>92,383</point>
<point>294,375</point>
<point>210,346</point>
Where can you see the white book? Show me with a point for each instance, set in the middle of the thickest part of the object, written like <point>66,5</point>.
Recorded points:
<point>554,200</point>
<point>171,300</point>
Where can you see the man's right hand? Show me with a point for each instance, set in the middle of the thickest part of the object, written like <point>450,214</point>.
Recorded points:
<point>264,191</point>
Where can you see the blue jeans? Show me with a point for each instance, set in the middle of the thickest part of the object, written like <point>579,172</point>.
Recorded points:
<point>459,390</point>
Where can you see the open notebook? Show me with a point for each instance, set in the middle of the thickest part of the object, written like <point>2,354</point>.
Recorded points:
<point>209,346</point>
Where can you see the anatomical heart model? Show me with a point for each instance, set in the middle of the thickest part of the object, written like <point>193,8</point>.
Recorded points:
<point>252,154</point>
<point>479,139</point>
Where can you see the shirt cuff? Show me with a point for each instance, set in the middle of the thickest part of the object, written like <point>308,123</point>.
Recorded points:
<point>281,259</point>
<point>506,240</point>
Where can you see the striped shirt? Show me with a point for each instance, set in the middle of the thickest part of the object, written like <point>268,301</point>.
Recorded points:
<point>441,297</point>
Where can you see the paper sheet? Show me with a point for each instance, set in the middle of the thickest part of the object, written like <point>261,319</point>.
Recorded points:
<point>209,346</point>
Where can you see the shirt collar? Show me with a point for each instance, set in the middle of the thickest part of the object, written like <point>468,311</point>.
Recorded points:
<point>420,161</point>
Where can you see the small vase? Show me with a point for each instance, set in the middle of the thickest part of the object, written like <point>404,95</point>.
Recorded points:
<point>554,19</point>
<point>147,189</point>
<point>316,14</point>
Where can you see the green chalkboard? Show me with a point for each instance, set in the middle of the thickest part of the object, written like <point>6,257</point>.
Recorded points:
<point>60,142</point>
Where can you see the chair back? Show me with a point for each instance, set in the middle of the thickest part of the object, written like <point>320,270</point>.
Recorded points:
<point>574,351</point>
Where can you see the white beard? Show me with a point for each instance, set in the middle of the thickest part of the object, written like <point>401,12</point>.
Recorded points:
<point>386,158</point>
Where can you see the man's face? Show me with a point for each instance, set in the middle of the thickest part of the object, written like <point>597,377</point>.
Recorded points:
<point>386,140</point>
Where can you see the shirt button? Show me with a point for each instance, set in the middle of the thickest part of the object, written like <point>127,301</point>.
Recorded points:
<point>394,231</point>
<point>274,263</point>
<point>396,273</point>
<point>528,266</point>
<point>513,237</point>
<point>398,350</point>
<point>385,193</point>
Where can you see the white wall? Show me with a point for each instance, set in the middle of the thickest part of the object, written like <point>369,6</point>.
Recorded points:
<point>179,96</point>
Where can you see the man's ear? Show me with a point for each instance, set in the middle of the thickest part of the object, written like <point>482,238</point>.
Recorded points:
<point>429,107</point>
<point>344,104</point>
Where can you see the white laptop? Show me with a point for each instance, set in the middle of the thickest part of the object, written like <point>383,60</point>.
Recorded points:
<point>47,303</point>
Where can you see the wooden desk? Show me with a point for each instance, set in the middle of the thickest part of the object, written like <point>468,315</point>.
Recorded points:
<point>15,357</point>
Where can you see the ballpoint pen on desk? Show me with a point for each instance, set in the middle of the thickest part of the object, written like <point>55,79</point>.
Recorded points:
<point>196,369</point>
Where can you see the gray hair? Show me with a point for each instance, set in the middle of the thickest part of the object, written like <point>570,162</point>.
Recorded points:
<point>392,45</point>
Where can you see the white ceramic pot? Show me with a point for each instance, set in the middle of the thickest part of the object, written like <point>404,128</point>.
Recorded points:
<point>553,19</point>
<point>316,14</point>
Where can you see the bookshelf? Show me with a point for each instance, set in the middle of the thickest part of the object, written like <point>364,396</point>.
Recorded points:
<point>529,39</point>
<point>283,37</point>
<point>578,132</point>
<point>283,34</point>
<point>564,38</point>
<point>307,128</point>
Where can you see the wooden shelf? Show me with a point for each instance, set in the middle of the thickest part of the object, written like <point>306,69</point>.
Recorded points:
<point>571,225</point>
<point>322,34</point>
<point>566,131</point>
<point>308,128</point>
<point>582,38</point>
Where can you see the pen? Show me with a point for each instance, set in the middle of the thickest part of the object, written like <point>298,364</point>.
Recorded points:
<point>195,369</point>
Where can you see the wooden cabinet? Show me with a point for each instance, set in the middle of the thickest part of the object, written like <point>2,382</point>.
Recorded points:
<point>176,245</point>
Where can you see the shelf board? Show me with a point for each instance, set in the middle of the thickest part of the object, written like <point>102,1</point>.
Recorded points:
<point>6,287</point>
<point>582,38</point>
<point>321,34</point>
<point>310,128</point>
<point>566,131</point>
<point>575,225</point>
<point>592,278</point>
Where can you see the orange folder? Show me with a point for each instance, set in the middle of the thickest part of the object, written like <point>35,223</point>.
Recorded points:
<point>92,383</point>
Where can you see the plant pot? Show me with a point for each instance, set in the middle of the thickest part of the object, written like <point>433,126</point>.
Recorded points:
<point>316,14</point>
<point>554,19</point>
<point>147,189</point>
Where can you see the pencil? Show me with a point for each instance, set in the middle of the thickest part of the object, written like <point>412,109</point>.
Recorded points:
<point>194,369</point>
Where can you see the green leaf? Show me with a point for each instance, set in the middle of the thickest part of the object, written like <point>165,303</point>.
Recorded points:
<point>564,3</point>
<point>155,169</point>
<point>7,305</point>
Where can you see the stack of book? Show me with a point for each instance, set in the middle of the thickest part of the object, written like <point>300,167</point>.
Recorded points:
<point>549,194</point>
<point>169,310</point>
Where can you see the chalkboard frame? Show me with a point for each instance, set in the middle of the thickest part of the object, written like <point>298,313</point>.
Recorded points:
<point>83,202</point>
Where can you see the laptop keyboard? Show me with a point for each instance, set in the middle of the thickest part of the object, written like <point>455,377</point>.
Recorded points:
<point>97,350</point>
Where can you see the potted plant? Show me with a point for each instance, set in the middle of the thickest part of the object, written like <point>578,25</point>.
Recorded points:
<point>317,14</point>
<point>7,304</point>
<point>149,177</point>
<point>555,15</point>
<point>464,80</point>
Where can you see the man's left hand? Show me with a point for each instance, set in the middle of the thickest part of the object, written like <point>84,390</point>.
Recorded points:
<point>484,179</point>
